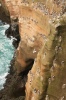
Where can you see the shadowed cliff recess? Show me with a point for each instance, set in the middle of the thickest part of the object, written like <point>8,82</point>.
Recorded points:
<point>4,13</point>
<point>40,58</point>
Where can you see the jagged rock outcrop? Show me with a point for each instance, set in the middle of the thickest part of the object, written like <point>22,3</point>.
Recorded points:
<point>33,19</point>
<point>34,26</point>
<point>42,29</point>
<point>46,80</point>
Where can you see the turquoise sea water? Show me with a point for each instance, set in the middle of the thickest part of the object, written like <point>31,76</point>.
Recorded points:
<point>6,54</point>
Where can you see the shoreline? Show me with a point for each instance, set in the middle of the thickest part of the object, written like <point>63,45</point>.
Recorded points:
<point>10,92</point>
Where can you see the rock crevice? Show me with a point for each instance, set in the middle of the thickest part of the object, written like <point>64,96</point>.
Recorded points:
<point>41,49</point>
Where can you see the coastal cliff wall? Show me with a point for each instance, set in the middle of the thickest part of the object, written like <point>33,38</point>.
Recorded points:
<point>33,19</point>
<point>42,29</point>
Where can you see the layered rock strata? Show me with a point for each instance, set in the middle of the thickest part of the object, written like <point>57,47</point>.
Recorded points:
<point>34,26</point>
<point>42,28</point>
<point>33,18</point>
<point>46,79</point>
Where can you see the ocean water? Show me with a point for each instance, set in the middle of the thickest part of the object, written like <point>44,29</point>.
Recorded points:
<point>6,53</point>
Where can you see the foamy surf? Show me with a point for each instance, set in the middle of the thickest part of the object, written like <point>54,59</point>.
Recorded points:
<point>6,54</point>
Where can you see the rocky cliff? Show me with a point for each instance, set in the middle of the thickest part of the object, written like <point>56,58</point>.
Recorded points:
<point>42,29</point>
<point>4,13</point>
<point>47,75</point>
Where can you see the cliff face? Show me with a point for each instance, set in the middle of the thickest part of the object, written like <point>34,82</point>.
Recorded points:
<point>42,28</point>
<point>46,79</point>
<point>34,18</point>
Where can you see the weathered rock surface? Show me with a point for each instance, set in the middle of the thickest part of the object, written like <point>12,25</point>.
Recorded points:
<point>33,19</point>
<point>31,31</point>
<point>42,29</point>
<point>47,80</point>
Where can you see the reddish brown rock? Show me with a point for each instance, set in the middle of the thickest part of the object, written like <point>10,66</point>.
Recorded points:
<point>46,79</point>
<point>42,24</point>
<point>34,19</point>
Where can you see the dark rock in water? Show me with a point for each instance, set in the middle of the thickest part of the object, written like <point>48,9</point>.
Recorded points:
<point>10,92</point>
<point>1,95</point>
<point>1,22</point>
<point>14,88</point>
<point>13,30</point>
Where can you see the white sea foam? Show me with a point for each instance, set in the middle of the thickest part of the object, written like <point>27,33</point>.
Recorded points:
<point>4,75</point>
<point>6,54</point>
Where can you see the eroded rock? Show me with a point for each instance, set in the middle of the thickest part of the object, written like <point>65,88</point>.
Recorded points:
<point>42,29</point>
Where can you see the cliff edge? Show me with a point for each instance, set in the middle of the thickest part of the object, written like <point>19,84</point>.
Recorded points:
<point>41,50</point>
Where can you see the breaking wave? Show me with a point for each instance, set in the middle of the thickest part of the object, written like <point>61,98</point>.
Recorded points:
<point>6,54</point>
